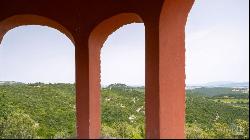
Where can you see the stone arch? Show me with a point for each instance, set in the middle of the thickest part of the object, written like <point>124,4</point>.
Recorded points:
<point>20,20</point>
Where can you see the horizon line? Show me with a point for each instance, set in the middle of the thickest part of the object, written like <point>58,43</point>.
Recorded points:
<point>137,85</point>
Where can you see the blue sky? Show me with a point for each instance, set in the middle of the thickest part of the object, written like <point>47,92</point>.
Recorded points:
<point>217,49</point>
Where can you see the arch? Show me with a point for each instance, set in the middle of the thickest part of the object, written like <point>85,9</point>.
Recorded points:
<point>96,39</point>
<point>30,57</point>
<point>101,32</point>
<point>20,20</point>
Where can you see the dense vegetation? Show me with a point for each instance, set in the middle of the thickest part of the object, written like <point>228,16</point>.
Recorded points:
<point>48,111</point>
<point>37,111</point>
<point>123,112</point>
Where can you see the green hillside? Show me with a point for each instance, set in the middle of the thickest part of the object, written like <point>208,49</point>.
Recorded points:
<point>49,107</point>
<point>48,111</point>
<point>220,91</point>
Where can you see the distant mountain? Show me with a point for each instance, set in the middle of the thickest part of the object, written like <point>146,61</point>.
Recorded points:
<point>222,84</point>
<point>9,82</point>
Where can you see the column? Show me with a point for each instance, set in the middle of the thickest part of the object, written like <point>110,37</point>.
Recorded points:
<point>165,71</point>
<point>87,90</point>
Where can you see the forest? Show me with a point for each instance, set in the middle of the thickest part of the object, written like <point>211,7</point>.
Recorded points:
<point>41,110</point>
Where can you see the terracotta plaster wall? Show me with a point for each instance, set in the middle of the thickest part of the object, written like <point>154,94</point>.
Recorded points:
<point>88,23</point>
<point>172,68</point>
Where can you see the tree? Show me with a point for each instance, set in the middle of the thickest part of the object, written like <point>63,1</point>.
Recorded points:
<point>19,126</point>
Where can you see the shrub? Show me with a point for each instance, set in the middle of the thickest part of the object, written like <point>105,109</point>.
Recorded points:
<point>194,131</point>
<point>19,126</point>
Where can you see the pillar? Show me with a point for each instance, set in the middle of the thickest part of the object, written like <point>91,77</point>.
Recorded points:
<point>165,71</point>
<point>87,90</point>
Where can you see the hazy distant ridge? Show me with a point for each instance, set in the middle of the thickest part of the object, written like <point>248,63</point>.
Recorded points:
<point>9,82</point>
<point>223,84</point>
<point>209,85</point>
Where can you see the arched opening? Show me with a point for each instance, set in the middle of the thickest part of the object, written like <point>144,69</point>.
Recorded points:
<point>19,20</point>
<point>122,98</point>
<point>37,79</point>
<point>122,78</point>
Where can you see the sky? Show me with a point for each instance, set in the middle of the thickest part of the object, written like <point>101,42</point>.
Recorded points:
<point>217,49</point>
<point>217,41</point>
